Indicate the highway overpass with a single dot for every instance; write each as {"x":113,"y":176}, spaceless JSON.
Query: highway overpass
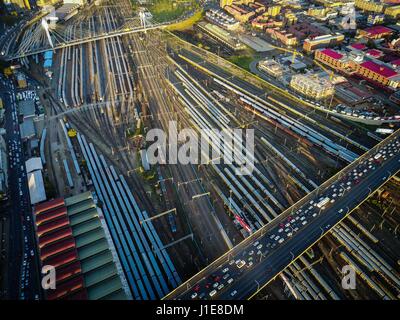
{"x":261,"y":257}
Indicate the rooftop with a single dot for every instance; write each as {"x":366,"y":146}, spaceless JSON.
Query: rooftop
{"x":379,"y":69}
{"x":332,"y":53}
{"x":70,"y":235}
{"x":376,"y":30}
{"x":36,"y":187}
{"x":359,"y":46}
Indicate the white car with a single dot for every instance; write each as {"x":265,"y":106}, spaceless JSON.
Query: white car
{"x":212,"y":293}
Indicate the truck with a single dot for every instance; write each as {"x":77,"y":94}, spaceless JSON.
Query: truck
{"x":323,"y":202}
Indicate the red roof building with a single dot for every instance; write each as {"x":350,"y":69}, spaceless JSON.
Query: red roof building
{"x":395,"y":63}
{"x":51,"y":215}
{"x":358,"y":46}
{"x":54,"y":236}
{"x":58,"y":261}
{"x":376,"y":32}
{"x":52,"y":204}
{"x":57,"y":248}
{"x":68,"y":271}
{"x":332,"y":58}
{"x":66,"y":288}
{"x":375,"y":53}
{"x":380,"y":70}
{"x":379,"y":74}
{"x":52,"y":226}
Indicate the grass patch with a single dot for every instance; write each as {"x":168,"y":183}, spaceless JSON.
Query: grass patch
{"x":242,"y":61}
{"x":168,"y":10}
{"x":188,"y":23}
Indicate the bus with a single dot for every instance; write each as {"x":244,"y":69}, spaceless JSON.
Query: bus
{"x":323,"y":202}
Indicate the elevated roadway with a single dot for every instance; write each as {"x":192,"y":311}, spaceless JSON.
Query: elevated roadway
{"x":257,"y":260}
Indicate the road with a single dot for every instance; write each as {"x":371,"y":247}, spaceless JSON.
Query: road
{"x":23,"y":270}
{"x":306,"y":222}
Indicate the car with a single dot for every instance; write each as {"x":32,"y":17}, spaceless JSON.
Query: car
{"x":340,"y":211}
{"x":251,"y":252}
{"x":226,"y":276}
{"x":212,"y":293}
{"x":304,"y":222}
{"x":281,"y":240}
{"x":240,"y":264}
{"x":231,"y":262}
{"x":194,"y":295}
{"x":221,"y":286}
{"x":259,"y":247}
{"x":250,"y":264}
{"x":233,"y":293}
{"x":215,"y":285}
{"x":255,"y":244}
{"x":229,"y":281}
{"x":225,"y":270}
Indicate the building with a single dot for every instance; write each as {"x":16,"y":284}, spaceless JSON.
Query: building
{"x":79,"y":2}
{"x":37,"y":191}
{"x":336,"y":60}
{"x":44,"y":3}
{"x":375,"y":32}
{"x":27,"y":129}
{"x":21,"y":80}
{"x":36,"y":187}
{"x":378,"y":73}
{"x":240,"y":13}
{"x":33,"y":164}
{"x":72,"y":237}
{"x":18,"y":4}
{"x":3,"y":169}
{"x":221,"y":35}
{"x":222,"y":19}
{"x":393,"y":11}
{"x":370,"y":5}
{"x":271,"y":67}
{"x":256,"y":43}
{"x":325,"y":41}
{"x":27,"y":109}
{"x":273,"y":11}
{"x":283,"y":36}
{"x":312,"y":86}
{"x":395,"y":97}
{"x":67,"y":11}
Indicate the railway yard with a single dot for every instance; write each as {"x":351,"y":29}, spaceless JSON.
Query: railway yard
{"x":172,"y":220}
